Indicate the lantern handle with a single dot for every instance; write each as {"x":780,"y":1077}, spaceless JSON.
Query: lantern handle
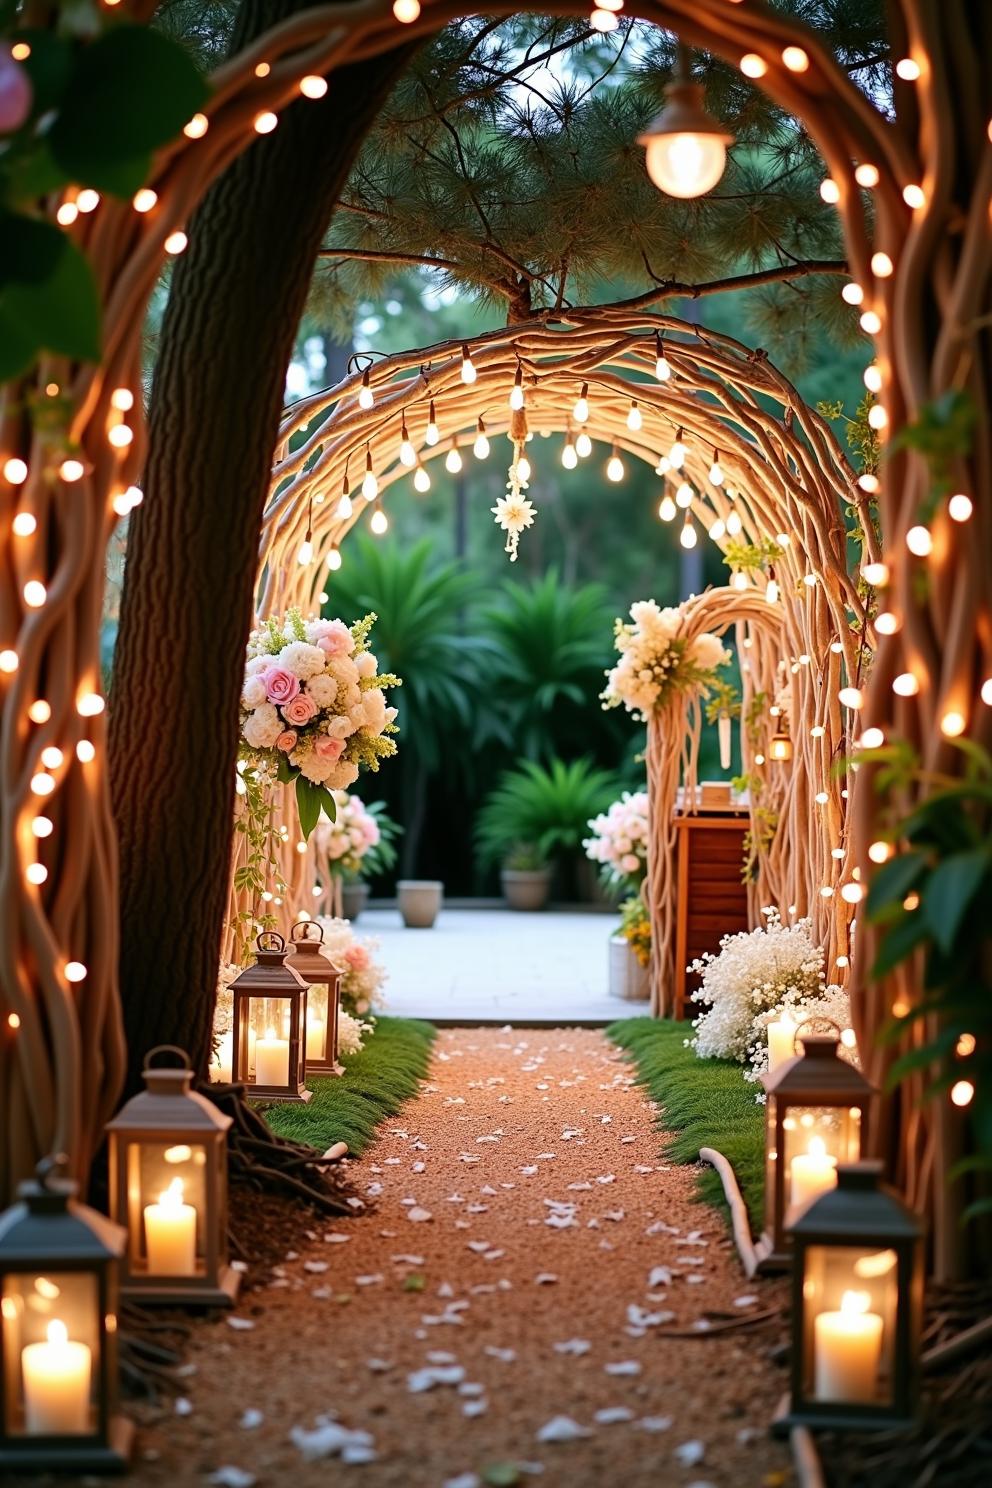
{"x":52,"y":1166}
{"x":167,"y":1049}
{"x":265,"y":941}
{"x":810,"y":1025}
{"x":305,"y":926}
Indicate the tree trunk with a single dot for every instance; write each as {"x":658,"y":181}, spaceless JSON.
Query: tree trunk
{"x":237,"y":295}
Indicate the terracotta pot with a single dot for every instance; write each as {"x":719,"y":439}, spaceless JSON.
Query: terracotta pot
{"x":354,"y":898}
{"x":628,"y":978}
{"x":526,"y":888}
{"x":419,"y":901}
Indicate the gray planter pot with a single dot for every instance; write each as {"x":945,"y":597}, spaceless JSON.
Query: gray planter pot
{"x":419,"y":901}
{"x":526,"y":888}
{"x":354,"y":898}
{"x":628,"y":978}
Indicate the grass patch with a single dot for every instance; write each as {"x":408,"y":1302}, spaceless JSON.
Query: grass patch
{"x":376,"y":1083}
{"x":706,"y":1102}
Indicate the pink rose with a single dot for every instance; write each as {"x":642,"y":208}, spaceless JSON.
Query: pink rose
{"x":280,"y":686}
{"x":357,"y":957}
{"x":329,"y":749}
{"x":287,"y":741}
{"x":336,"y":639}
{"x":299,"y":710}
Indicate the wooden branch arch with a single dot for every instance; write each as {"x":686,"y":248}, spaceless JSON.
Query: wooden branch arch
{"x":923,"y":265}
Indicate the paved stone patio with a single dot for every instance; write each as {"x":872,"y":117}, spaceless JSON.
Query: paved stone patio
{"x":498,"y":966}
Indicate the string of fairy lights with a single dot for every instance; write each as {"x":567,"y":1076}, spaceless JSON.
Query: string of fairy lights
{"x":685,"y":160}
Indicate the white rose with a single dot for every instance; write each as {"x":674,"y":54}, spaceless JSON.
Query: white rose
{"x":343,"y":774}
{"x":375,"y":709}
{"x":315,"y":769}
{"x":253,"y":695}
{"x":257,"y":664}
{"x":301,"y":659}
{"x":323,"y":689}
{"x":263,"y":727}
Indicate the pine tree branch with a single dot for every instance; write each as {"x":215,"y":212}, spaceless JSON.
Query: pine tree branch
{"x":668,"y":289}
{"x":423,"y":260}
{"x":473,"y":95}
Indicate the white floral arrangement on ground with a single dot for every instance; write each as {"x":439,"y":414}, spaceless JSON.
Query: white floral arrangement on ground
{"x":363,"y":977}
{"x":657,"y":660}
{"x":313,"y":709}
{"x":811,"y":1013}
{"x":754,"y":973}
{"x":224,"y":1005}
{"x":620,"y":839}
{"x":349,"y":837}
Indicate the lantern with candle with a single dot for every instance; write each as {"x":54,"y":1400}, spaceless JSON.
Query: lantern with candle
{"x":780,"y":747}
{"x":168,"y":1187}
{"x":857,"y":1306}
{"x":270,"y":1013}
{"x":816,"y":1116}
{"x":58,"y":1325}
{"x":308,"y":957}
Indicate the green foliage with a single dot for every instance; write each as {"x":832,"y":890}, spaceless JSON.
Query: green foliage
{"x":549,"y":807}
{"x":259,"y":856}
{"x":375,"y":1084}
{"x":933,"y":899}
{"x":101,"y":105}
{"x":942,"y":434}
{"x":635,"y":926}
{"x":703,"y":1103}
{"x":724,"y":697}
{"x":752,"y":557}
{"x":525,"y":858}
{"x":550,"y":644}
{"x":311,"y":800}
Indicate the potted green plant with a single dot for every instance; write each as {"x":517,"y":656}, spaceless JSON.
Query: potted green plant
{"x":525,"y":878}
{"x":545,"y":809}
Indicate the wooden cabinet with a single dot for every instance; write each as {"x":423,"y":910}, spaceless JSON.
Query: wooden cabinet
{"x":711,"y":897}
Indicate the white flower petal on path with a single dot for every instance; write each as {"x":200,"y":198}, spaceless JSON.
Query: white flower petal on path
{"x":232,"y":1477}
{"x":422,"y":1380}
{"x":655,"y":1423}
{"x":622,"y":1367}
{"x":611,"y":1415}
{"x":575,"y":1346}
{"x":690,"y":1452}
{"x":562,"y":1429}
{"x":417,"y":1215}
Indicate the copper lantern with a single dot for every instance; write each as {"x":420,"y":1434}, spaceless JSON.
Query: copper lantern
{"x":168,"y":1187}
{"x":857,"y":1307}
{"x":58,"y":1327}
{"x":816,"y":1116}
{"x":780,"y":747}
{"x":308,"y":957}
{"x":270,"y":1013}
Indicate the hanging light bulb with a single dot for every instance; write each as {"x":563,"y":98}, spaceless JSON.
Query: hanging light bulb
{"x":734,"y":524}
{"x":334,"y":558}
{"x":718,"y":529}
{"x":432,"y":434}
{"x":345,"y":507}
{"x":523,"y":467}
{"x":614,"y":466}
{"x":635,"y":419}
{"x":677,"y":452}
{"x":583,"y":445}
{"x":686,"y":149}
{"x":687,"y":537}
{"x":684,"y":495}
{"x":366,"y":397}
{"x":739,"y":580}
{"x":517,"y":390}
{"x":716,"y":470}
{"x":580,"y":412}
{"x":662,"y":368}
{"x":569,"y":458}
{"x":408,"y":455}
{"x":421,"y":480}
{"x":370,"y":486}
{"x":771,"y":588}
{"x":663,"y":466}
{"x":378,"y":521}
{"x":453,"y":459}
{"x":469,"y":373}
{"x":304,"y":554}
{"x":667,"y":508}
{"x":480,"y":448}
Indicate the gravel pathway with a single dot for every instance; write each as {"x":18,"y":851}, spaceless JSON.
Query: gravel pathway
{"x":505,"y":1303}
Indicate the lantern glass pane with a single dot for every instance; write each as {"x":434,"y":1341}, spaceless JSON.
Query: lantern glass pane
{"x":850,"y":1297}
{"x":51,"y":1352}
{"x":167,"y":1207}
{"x":265,"y":1040}
{"x":317,"y":1021}
{"x":815,"y":1139}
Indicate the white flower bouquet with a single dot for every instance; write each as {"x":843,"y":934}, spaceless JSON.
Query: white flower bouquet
{"x":657,"y":660}
{"x":620,"y":839}
{"x":313,"y":710}
{"x":362,"y":975}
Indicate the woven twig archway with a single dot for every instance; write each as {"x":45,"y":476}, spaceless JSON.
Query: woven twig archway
{"x":925,"y":291}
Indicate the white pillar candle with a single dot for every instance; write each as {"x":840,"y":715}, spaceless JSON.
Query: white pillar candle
{"x":220,"y":1068}
{"x":781,"y":1042}
{"x":315,"y":1037}
{"x":723,"y":731}
{"x":847,"y":1347}
{"x":56,"y":1384}
{"x":170,"y":1234}
{"x":272,"y":1060}
{"x":812,"y":1173}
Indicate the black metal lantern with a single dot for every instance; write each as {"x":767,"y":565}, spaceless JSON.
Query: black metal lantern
{"x":270,"y":1013}
{"x":857,"y":1306}
{"x":816,"y":1117}
{"x":323,"y":979}
{"x":168,"y":1187}
{"x":58,"y":1326}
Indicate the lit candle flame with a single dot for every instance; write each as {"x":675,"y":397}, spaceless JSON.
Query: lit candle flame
{"x":855,"y":1302}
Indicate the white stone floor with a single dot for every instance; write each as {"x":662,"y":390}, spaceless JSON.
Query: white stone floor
{"x":499,"y":966}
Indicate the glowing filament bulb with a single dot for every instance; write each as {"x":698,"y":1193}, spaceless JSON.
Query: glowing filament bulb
{"x":35,"y":594}
{"x":421,"y":480}
{"x":906,"y":684}
{"x":569,"y":458}
{"x":265,"y":122}
{"x":866,"y":175}
{"x":197,"y":127}
{"x":677,"y":452}
{"x":952,"y":725}
{"x":583,"y":445}
{"x":36,"y":873}
{"x":876,"y":574}
{"x":614,"y":467}
{"x":829,"y":191}
{"x":480,"y":448}
{"x":334,"y":559}
{"x":370,"y":484}
{"x":408,"y":455}
{"x":15,"y":471}
{"x":469,"y":373}
{"x":378,"y":521}
{"x":914,"y":196}
{"x":517,"y":390}
{"x":313,"y":86}
{"x":345,"y":505}
{"x":667,"y":509}
{"x":850,"y":697}
{"x":960,"y":507}
{"x":718,"y":529}
{"x":635,"y":419}
{"x":887,"y":623}
{"x":771,"y":591}
{"x":432,"y":434}
{"x":144,"y":200}
{"x":453,"y":460}
{"x":716,"y":470}
{"x":852,"y":294}
{"x":603,"y":21}
{"x":908,"y":69}
{"x":406,"y":11}
{"x":734,"y":524}
{"x":72,"y":470}
{"x":739,"y":580}
{"x":687,"y":537}
{"x":752,"y":65}
{"x":662,"y":367}
{"x":580,"y":412}
{"x":23,"y":524}
{"x":881,"y":265}
{"x":304,"y":553}
{"x":795,"y":59}
{"x":683,"y":495}
{"x":919,"y":542}
{"x":871,"y":323}
{"x":366,"y":397}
